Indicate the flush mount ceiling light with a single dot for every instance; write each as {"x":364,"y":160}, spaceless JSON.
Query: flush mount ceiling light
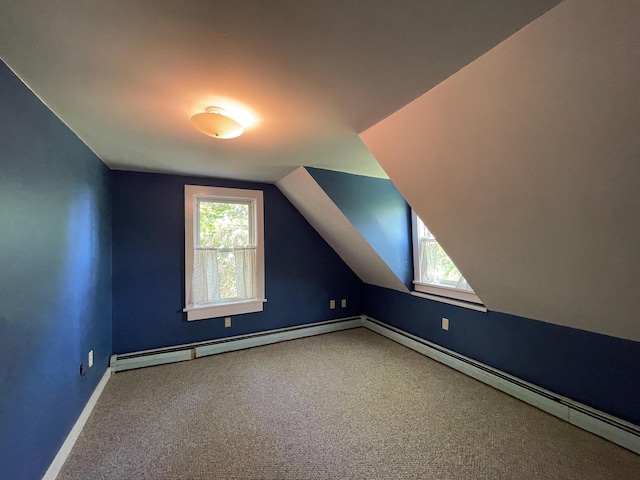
{"x":215,"y":123}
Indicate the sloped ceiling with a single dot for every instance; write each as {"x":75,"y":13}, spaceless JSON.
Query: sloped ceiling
{"x":526,"y":166}
{"x":126,"y":75}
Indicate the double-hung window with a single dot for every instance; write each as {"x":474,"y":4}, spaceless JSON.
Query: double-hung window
{"x":435,"y":274}
{"x":224,"y":252}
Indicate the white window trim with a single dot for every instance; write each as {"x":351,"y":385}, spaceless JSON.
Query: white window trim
{"x":223,"y":309}
{"x":451,"y":296}
{"x":463,"y":295}
{"x":450,"y":301}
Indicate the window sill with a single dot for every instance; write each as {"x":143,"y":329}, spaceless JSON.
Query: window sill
{"x":449,"y":292}
{"x":449,"y":296}
{"x":223,"y":310}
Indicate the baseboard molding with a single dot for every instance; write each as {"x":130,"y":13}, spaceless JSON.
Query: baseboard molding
{"x":191,"y":351}
{"x":275,"y":337}
{"x":65,"y":449}
{"x":615,"y":430}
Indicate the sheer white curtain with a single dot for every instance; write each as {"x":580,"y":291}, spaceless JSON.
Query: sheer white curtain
{"x":208,"y":284}
{"x":427,"y":260}
{"x":205,"y":284}
{"x":436,"y":266}
{"x":245,"y":272}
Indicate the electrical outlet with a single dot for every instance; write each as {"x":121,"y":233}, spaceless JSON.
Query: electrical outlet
{"x":332,"y":304}
{"x":227,"y":322}
{"x":445,"y":323}
{"x":343,"y":303}
{"x":90,"y":359}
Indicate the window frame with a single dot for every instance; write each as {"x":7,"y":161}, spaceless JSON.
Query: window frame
{"x":222,"y":194}
{"x":441,"y":293}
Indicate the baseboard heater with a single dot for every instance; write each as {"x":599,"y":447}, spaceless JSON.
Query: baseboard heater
{"x":179,"y":353}
{"x":599,"y":423}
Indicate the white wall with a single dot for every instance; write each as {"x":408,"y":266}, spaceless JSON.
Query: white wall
{"x":526,"y":166}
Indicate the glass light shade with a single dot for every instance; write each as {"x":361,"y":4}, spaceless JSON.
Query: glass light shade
{"x":216,"y":124}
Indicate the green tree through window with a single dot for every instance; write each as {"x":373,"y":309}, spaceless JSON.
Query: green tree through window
{"x":224,"y":225}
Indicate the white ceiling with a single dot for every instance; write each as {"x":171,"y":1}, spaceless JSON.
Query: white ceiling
{"x":127,"y":75}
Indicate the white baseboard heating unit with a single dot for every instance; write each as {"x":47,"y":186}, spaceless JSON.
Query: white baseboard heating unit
{"x":190,"y":351}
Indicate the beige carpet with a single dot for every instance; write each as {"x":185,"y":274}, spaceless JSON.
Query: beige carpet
{"x":351,"y":404}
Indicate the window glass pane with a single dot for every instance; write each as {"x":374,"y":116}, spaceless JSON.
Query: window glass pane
{"x":223,"y":224}
{"x":435,"y":267}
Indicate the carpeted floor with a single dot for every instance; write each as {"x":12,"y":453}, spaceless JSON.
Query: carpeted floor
{"x":350,"y":405}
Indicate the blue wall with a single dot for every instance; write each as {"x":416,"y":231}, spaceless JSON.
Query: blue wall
{"x":302,"y":273}
{"x":597,"y":370}
{"x":55,"y":279}
{"x":375,"y":207}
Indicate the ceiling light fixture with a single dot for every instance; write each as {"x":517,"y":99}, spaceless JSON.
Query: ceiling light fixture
{"x":215,"y":123}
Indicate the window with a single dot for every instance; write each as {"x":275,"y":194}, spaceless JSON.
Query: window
{"x":435,"y":274}
{"x":224,"y":251}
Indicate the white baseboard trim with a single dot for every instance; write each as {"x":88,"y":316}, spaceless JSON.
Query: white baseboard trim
{"x":191,"y":351}
{"x":615,"y":430}
{"x":57,"y":463}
